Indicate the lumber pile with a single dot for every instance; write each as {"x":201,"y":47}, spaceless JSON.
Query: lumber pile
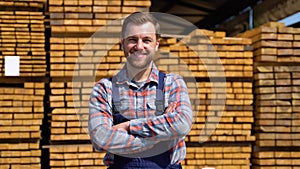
{"x":211,"y":55}
{"x":273,"y":42}
{"x":30,"y":5}
{"x":22,"y":111}
{"x":75,"y":56}
{"x":207,"y":54}
{"x":75,"y":156}
{"x":234,"y":124}
{"x":21,"y":115}
{"x":276,"y":159}
{"x":20,"y":155}
{"x":277,"y":74}
{"x":69,"y":116}
{"x":219,"y":74}
{"x":219,"y":157}
{"x":22,"y":34}
{"x":78,"y":16}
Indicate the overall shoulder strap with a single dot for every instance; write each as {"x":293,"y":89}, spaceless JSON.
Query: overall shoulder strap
{"x":115,"y":95}
{"x":160,"y":101}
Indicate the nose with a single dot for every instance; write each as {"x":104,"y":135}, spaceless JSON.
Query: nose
{"x":139,"y":45}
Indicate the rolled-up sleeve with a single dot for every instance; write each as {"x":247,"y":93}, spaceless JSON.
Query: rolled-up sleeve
{"x":103,"y":135}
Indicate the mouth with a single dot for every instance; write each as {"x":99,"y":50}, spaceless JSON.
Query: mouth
{"x":138,"y":54}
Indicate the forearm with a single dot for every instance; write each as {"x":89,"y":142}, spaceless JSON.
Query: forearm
{"x":170,"y":125}
{"x":118,"y":141}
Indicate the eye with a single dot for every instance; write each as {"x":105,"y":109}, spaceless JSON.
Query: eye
{"x":131,"y":40}
{"x":148,"y":40}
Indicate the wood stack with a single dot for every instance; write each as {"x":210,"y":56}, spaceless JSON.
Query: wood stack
{"x":76,"y":156}
{"x":22,"y":34}
{"x":234,"y":124}
{"x":219,"y":72}
{"x":273,"y":42}
{"x":276,"y":94}
{"x":208,"y":54}
{"x":78,"y":16}
{"x":276,"y":159}
{"x":20,"y":107}
{"x":29,"y":5}
{"x":22,"y":112}
{"x":219,"y":157}
{"x":20,"y":155}
{"x":69,"y":116}
{"x":75,"y":56}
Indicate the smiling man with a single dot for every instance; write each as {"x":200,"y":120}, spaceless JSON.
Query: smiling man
{"x":140,"y":116}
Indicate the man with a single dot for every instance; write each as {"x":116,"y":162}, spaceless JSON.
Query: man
{"x":131,"y":127}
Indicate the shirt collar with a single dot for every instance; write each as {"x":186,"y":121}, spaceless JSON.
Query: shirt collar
{"x":122,"y":76}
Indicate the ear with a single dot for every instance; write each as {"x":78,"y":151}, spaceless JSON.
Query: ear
{"x":157,"y":45}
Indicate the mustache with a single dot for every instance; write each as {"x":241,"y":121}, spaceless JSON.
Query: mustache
{"x":139,"y":53}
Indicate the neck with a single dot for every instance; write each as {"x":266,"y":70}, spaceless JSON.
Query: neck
{"x":138,"y":75}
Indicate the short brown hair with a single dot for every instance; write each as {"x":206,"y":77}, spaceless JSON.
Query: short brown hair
{"x":139,"y":18}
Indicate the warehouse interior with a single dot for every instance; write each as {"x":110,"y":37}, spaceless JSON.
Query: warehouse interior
{"x":232,"y":16}
{"x":242,"y":69}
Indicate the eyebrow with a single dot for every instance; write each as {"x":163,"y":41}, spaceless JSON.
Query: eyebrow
{"x":134,"y":36}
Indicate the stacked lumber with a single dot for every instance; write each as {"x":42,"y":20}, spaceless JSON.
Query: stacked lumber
{"x":219,"y":74}
{"x":21,"y":115}
{"x":69,"y":116}
{"x":75,"y":56}
{"x":277,"y":106}
{"x":276,"y":74}
{"x":20,"y":155}
{"x":78,"y":16}
{"x":273,"y":42}
{"x":276,"y":159}
{"x":22,"y":34}
{"x":203,"y":54}
{"x":207,"y":54}
{"x":22,"y":111}
{"x":233,"y":124}
{"x":30,"y":5}
{"x":219,"y":157}
{"x":75,"y":156}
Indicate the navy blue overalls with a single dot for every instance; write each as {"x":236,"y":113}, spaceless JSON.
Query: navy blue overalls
{"x":147,"y":161}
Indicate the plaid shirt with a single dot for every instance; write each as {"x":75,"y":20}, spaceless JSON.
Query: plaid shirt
{"x":138,"y":105}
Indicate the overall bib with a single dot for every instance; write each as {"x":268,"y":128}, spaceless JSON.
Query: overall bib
{"x":147,"y":161}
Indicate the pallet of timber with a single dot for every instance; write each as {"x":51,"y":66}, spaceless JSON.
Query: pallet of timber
{"x":208,"y":55}
{"x":274,"y":42}
{"x":276,"y":159}
{"x":78,"y":16}
{"x":277,"y":105}
{"x":218,"y":157}
{"x":84,"y":57}
{"x":24,"y":4}
{"x":22,"y":34}
{"x":20,"y":155}
{"x":75,"y":156}
{"x":69,"y":113}
{"x":233,"y":124}
{"x":22,"y":111}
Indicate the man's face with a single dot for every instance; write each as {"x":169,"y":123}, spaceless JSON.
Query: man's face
{"x":140,"y":45}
